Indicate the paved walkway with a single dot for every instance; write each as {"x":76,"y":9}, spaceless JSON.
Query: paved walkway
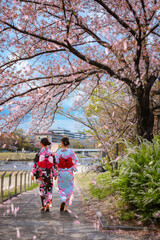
{"x":22,"y":219}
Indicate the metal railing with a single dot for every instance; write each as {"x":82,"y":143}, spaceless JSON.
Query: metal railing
{"x":13,"y":183}
{"x":86,"y":160}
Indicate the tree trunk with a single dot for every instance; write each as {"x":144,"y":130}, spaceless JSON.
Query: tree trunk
{"x":145,"y":117}
{"x":158,"y":118}
{"x":158,"y":123}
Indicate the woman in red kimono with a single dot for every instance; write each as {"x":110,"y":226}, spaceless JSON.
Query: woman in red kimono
{"x":44,"y":169}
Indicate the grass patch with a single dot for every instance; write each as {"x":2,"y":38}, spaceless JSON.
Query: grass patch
{"x":79,"y":155}
{"x":95,"y":186}
{"x":101,"y":185}
{"x":5,"y":193}
{"x":6,"y":175}
{"x":16,"y":156}
{"x":84,"y":181}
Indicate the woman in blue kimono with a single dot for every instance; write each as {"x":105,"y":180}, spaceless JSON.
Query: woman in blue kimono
{"x":67,"y":165}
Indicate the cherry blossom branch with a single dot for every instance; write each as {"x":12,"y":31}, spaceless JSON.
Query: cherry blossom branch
{"x":33,"y":34}
{"x":75,"y":52}
{"x":156,"y":92}
{"x":155,"y":108}
{"x":157,"y":34}
{"x":150,"y":31}
{"x":98,"y":64}
{"x":33,"y":56}
{"x":134,"y":13}
{"x":144,"y":10}
{"x":120,"y":20}
{"x":87,"y":71}
{"x":79,"y":79}
{"x":40,"y":3}
{"x":153,"y":12}
{"x":4,"y":29}
{"x":99,"y":40}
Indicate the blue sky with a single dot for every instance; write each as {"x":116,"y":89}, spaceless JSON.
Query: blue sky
{"x":60,"y":122}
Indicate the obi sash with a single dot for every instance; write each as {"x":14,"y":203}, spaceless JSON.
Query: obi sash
{"x":65,"y":163}
{"x":45,"y":161}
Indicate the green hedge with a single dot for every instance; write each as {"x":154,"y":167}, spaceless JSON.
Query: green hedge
{"x":139,"y":178}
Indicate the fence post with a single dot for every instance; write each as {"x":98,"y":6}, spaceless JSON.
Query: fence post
{"x":25,"y":181}
{"x":28,"y":177}
{"x":2,"y":181}
{"x":15,"y":192}
{"x":9,"y":185}
{"x":31,"y":181}
{"x":21,"y":182}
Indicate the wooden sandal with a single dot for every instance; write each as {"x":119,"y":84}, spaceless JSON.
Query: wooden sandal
{"x":62,"y":206}
{"x":47,"y":208}
{"x":42,"y":209}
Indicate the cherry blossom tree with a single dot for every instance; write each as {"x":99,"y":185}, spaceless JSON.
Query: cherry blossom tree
{"x":50,"y":48}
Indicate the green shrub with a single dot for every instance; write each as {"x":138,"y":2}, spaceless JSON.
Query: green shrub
{"x":139,"y":178}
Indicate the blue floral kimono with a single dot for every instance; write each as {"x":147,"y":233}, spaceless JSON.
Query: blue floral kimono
{"x":67,"y":164}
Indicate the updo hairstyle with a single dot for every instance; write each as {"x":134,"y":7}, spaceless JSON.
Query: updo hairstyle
{"x":45,"y":142}
{"x":65,"y":141}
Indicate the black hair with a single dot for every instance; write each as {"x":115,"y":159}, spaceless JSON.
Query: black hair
{"x":65,"y":141}
{"x":45,"y":142}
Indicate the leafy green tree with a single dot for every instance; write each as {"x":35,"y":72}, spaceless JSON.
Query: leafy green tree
{"x":109,"y":115}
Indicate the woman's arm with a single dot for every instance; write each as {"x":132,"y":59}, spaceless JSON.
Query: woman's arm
{"x":55,"y":167}
{"x":74,"y":160}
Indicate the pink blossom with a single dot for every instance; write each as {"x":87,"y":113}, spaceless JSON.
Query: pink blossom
{"x":106,"y":51}
{"x":76,"y":222}
{"x":151,"y":163}
{"x":18,"y":233}
{"x":16,"y":210}
{"x":93,"y":182}
{"x":8,"y":211}
{"x":125,"y":45}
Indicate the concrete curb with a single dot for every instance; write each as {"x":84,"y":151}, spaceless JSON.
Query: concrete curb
{"x":104,"y":225}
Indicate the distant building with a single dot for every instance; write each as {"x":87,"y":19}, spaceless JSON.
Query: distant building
{"x":40,"y":135}
{"x":55,"y":135}
{"x":80,"y":136}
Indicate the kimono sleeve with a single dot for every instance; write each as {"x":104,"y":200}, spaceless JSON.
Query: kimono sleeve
{"x":57,"y":156}
{"x":55,"y":171}
{"x":74,"y":160}
{"x":34,"y":169}
{"x":55,"y":167}
{"x":35,"y":160}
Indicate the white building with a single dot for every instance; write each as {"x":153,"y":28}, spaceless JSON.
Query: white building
{"x":55,"y":135}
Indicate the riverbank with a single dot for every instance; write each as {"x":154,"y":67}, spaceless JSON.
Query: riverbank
{"x":16,"y":156}
{"x":20,"y":156}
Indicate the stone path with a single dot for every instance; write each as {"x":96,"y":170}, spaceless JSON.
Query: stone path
{"x":30,"y":223}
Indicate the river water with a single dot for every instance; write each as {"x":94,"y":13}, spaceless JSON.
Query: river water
{"x":15,"y":165}
{"x":25,"y":165}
